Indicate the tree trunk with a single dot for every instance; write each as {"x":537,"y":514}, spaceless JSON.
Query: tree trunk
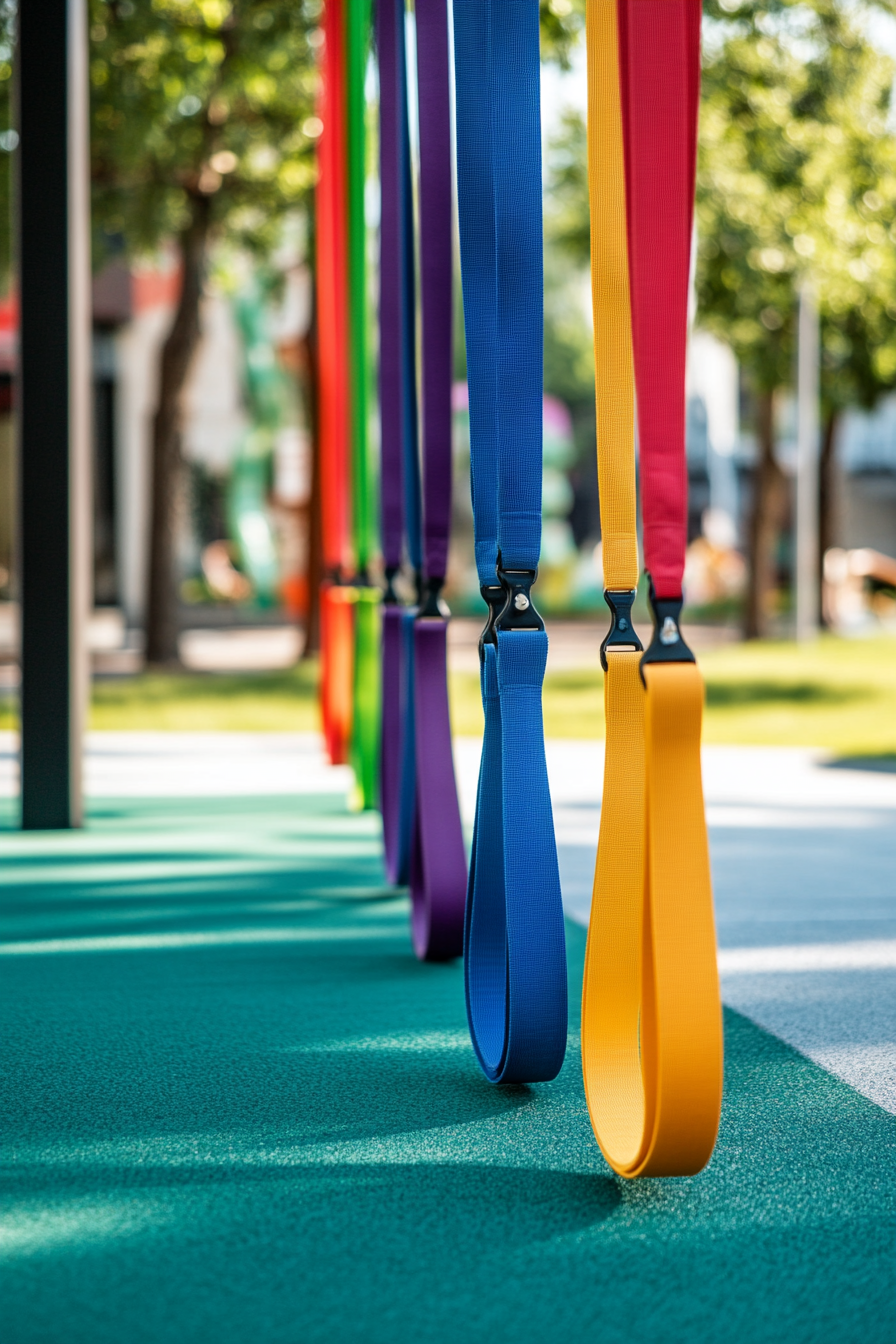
{"x":769,"y":492}
{"x":827,"y":486}
{"x":177,"y":355}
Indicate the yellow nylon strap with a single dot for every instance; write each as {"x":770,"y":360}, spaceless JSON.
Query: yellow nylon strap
{"x":651,"y":1016}
{"x":613,"y":363}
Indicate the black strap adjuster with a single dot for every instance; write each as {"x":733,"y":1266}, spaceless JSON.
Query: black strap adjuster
{"x":621,"y":634}
{"x":390,"y":597}
{"x":668,"y":644}
{"x":493,"y":594}
{"x":431,"y":605}
{"x":518,"y":611}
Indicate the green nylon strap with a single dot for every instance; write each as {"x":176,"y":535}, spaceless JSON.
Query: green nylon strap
{"x":357,"y":46}
{"x":365,"y":746}
{"x":364,"y":749}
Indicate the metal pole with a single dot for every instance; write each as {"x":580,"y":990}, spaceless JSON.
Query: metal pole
{"x":53,"y":405}
{"x":808,"y":354}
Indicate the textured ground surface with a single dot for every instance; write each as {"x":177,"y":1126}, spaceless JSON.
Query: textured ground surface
{"x":236,"y":1109}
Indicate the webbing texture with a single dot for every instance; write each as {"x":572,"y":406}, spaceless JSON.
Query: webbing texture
{"x":399,"y":473}
{"x":614,"y":372}
{"x":364,"y":753}
{"x":438,"y":860}
{"x":332,"y":297}
{"x":651,"y":1018}
{"x":421,"y":816}
{"x":659,"y":62}
{"x":434,"y":112}
{"x":337,"y":668}
{"x":514,"y":957}
{"x":473,"y":118}
{"x":392,"y":346}
{"x":356,"y":48}
{"x":337,"y":655}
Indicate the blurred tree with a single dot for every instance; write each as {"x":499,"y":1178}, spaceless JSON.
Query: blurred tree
{"x":203,"y":127}
{"x":796,"y":177}
{"x":568,"y":348}
{"x":561,"y":22}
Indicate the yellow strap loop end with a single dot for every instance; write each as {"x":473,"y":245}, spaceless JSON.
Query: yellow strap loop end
{"x":651,"y":1014}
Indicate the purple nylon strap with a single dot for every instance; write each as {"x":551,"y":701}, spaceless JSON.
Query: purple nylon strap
{"x":438,"y":861}
{"x":421,"y":817}
{"x":394,"y":713}
{"x":388,"y":15}
{"x":435,"y":277}
{"x":391,"y":725}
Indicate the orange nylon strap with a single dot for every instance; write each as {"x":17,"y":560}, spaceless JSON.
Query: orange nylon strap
{"x":651,"y":1018}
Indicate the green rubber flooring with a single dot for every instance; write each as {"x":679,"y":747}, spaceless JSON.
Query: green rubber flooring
{"x":237,"y":1111}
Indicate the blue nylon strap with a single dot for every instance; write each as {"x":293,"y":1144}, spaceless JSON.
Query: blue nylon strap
{"x":515,"y":954}
{"x":516,"y":156}
{"x":476,"y":218}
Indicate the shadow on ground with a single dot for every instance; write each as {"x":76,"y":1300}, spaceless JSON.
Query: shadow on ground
{"x":884,"y":764}
{"x":285,"y":1140}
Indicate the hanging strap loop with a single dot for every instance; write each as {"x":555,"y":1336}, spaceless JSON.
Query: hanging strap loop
{"x":515,"y":955}
{"x":423,"y":839}
{"x":399,"y":468}
{"x":438,"y":861}
{"x":651,"y":1019}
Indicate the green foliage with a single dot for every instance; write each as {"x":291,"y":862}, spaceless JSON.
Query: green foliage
{"x":567,"y":219}
{"x":568,"y":347}
{"x":177,"y":84}
{"x":797,"y":179}
{"x":561,"y":23}
{"x":201,"y":97}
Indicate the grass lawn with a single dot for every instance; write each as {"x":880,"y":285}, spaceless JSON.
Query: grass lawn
{"x":839,"y":694}
{"x":836,"y":693}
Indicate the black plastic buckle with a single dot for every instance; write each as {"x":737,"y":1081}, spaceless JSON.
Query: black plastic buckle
{"x":518,"y":611}
{"x":493,"y":594}
{"x":667,"y":644}
{"x":390,"y":597}
{"x":621,"y":634}
{"x":431,"y":606}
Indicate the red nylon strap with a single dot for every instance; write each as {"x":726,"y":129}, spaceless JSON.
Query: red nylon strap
{"x":332,"y":299}
{"x":659,"y":60}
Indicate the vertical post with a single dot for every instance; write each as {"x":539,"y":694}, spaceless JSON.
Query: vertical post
{"x":808,"y":353}
{"x":54,"y":405}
